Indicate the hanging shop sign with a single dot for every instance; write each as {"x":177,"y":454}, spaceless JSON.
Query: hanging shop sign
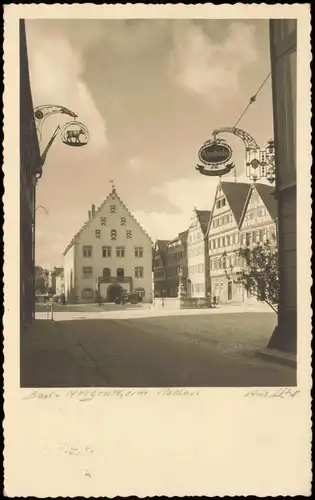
{"x":75,"y":134}
{"x":214,"y":156}
{"x":215,"y":152}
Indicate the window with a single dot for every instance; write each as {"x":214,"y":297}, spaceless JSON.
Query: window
{"x":97,"y":233}
{"x":120,"y":252}
{"x":103,"y":221}
{"x":120,"y":272}
{"x":248,"y":238}
{"x":113,"y":209}
{"x":122,"y":221}
{"x":139,"y":272}
{"x":106,"y":272}
{"x":87,"y":251}
{"x":139,"y":252}
{"x":107,"y":251}
{"x":129,"y":234}
{"x":87,"y":272}
{"x":228,"y":240}
{"x":223,"y":202}
{"x":87,"y":293}
{"x":261,"y":235}
{"x":140,"y":292}
{"x":113,"y":234}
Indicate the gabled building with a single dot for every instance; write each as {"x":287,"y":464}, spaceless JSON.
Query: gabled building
{"x":197,"y":254}
{"x":110,"y":254}
{"x":259,"y":219}
{"x":176,"y":262}
{"x":159,"y":268}
{"x":223,"y":238}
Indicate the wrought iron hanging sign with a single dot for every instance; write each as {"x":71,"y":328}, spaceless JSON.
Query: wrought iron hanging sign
{"x":259,"y":163}
{"x":74,"y":134}
{"x":214,"y":156}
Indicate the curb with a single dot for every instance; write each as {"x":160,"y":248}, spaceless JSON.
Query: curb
{"x":278,"y":357}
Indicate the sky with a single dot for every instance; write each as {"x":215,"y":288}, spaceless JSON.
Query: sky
{"x":150,"y":93}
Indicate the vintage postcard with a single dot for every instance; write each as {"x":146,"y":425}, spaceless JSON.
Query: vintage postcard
{"x":157,"y":326}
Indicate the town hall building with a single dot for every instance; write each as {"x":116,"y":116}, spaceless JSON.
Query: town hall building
{"x":110,"y":255}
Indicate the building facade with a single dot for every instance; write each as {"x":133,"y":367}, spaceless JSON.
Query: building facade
{"x":197,"y":255}
{"x":243,"y":215}
{"x":30,"y":166}
{"x":110,"y":255}
{"x":160,"y":268}
{"x":283,"y":47}
{"x":176,"y":263}
{"x":224,"y":240}
{"x":258,"y":222}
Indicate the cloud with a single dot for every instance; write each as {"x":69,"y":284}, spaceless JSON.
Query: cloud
{"x":56,"y":74}
{"x":211,"y":68}
{"x":135,"y":164}
{"x":184,"y":194}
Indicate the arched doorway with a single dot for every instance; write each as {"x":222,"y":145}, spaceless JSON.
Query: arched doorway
{"x":114,"y":292}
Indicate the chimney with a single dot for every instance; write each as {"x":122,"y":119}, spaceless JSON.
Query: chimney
{"x":89,"y":214}
{"x":93,"y":210}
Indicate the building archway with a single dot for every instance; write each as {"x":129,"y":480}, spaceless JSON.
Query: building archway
{"x":114,"y":292}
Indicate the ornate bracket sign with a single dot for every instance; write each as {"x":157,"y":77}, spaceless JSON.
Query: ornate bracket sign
{"x":214,"y":156}
{"x":74,"y":134}
{"x":259,"y":163}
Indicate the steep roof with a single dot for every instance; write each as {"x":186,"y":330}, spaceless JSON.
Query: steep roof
{"x":236,"y":194}
{"x":266,"y":193}
{"x":113,"y":192}
{"x":203,"y":217}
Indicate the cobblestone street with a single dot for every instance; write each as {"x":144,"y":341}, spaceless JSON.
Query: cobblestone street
{"x":191,"y":350}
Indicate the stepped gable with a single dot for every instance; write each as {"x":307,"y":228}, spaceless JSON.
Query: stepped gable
{"x":113,"y":194}
{"x":267,"y":194}
{"x":203,"y":217}
{"x":236,"y":194}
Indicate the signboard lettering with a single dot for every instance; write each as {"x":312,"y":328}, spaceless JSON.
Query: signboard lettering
{"x":214,"y":156}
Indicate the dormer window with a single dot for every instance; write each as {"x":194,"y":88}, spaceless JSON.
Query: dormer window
{"x":103,"y":221}
{"x":113,"y":234}
{"x":113,"y":209}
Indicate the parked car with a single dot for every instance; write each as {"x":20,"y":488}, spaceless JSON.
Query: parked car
{"x":132,"y":298}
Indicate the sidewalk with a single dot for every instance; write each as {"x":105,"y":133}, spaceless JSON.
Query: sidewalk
{"x":151,"y":312}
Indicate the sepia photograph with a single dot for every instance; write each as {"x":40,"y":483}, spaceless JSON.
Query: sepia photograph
{"x":157,"y":230}
{"x":158,"y":202}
